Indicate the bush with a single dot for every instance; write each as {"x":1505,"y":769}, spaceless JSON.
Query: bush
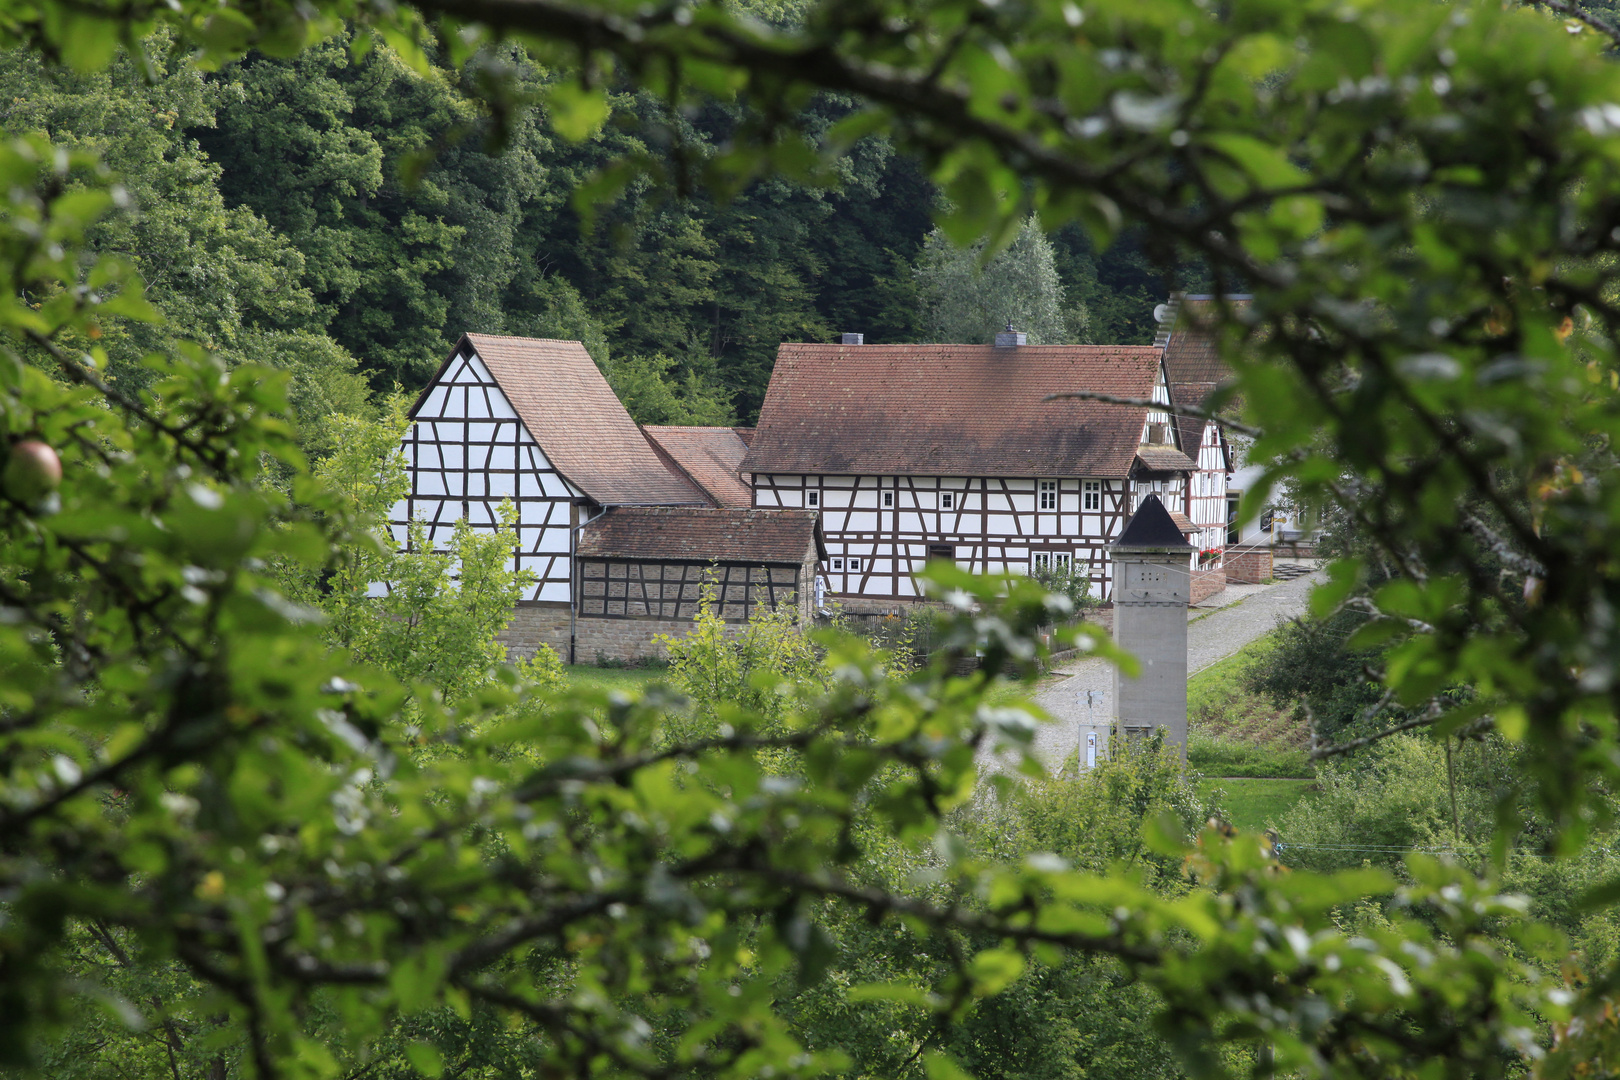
{"x":1070,"y":580}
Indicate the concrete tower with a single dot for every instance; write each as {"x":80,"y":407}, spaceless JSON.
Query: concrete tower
{"x":1152,"y":586}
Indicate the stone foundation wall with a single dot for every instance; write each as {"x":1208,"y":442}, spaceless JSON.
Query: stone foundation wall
{"x":1205,"y":584}
{"x":629,"y":640}
{"x":535,"y":623}
{"x":1248,"y":566}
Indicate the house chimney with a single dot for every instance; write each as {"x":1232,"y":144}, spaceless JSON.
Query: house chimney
{"x":1011,"y":339}
{"x":853,"y":339}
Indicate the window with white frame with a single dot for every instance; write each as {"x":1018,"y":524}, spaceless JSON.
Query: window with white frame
{"x":838,"y":564}
{"x":854,"y":565}
{"x":947,"y":500}
{"x":1052,"y":560}
{"x":1091,"y":495}
{"x":1048,"y":492}
{"x":812,"y":498}
{"x":888,"y":500}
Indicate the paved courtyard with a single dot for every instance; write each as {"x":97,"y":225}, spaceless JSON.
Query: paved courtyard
{"x":1080,"y":698}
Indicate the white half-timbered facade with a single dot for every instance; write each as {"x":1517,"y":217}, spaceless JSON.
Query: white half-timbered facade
{"x":534,"y":422}
{"x":1195,"y":371}
{"x":919,"y":452}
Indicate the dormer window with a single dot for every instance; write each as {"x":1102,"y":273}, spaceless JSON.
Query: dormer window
{"x":1048,"y":493}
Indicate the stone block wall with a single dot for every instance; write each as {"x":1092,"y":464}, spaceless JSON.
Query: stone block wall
{"x":1206,"y":583}
{"x":1248,"y":566}
{"x":535,"y":623}
{"x":629,"y":640}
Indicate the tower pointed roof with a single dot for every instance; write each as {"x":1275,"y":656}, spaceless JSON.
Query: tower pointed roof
{"x":1151,"y":527}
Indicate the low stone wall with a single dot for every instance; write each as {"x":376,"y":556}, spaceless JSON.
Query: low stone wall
{"x":1248,"y":566}
{"x":1205,"y":584}
{"x":629,"y":640}
{"x":535,"y":623}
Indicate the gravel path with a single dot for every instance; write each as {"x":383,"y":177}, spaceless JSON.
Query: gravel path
{"x":1223,"y":625}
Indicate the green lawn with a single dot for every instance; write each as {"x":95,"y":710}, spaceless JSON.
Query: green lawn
{"x":1253,"y":803}
{"x":590,"y":677}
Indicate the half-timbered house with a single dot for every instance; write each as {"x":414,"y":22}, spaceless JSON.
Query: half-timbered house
{"x":1194,"y":370}
{"x":918,"y":452}
{"x":534,"y":422}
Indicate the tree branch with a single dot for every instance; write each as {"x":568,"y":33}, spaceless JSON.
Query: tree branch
{"x":1149,"y":403}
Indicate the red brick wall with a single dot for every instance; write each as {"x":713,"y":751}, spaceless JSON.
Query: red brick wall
{"x":1248,"y":566}
{"x":1205,"y":584}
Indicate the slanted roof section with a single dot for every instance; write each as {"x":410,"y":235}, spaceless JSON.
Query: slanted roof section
{"x":703,"y":534}
{"x":951,"y":410}
{"x":579,"y":422}
{"x":1192,"y":365}
{"x":1151,"y":527}
{"x":710,"y":457}
{"x":1163,"y":459}
{"x":1183,"y":522}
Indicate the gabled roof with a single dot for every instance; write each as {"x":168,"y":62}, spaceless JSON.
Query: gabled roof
{"x":573,"y":414}
{"x":951,"y":410}
{"x":1192,"y":364}
{"x":709,"y":456}
{"x":1164,"y":459}
{"x":1151,"y":527}
{"x":718,"y":534}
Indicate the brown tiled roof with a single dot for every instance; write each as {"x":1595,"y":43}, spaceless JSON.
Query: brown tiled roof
{"x":746,"y":434}
{"x":1183,"y":522}
{"x":1164,"y":459}
{"x":578,"y":421}
{"x":719,"y":534}
{"x":1192,"y":365}
{"x":951,"y":410}
{"x":709,"y":456}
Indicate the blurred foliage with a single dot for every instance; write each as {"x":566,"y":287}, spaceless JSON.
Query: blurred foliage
{"x":348,"y":860}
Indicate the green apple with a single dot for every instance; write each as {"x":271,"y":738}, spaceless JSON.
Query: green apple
{"x":32,"y":472}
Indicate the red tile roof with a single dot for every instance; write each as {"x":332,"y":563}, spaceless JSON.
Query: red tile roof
{"x":1164,"y":459}
{"x":574,"y":415}
{"x":709,"y":456}
{"x":1193,"y":366}
{"x":719,"y":534}
{"x":951,"y":410}
{"x":1183,"y":522}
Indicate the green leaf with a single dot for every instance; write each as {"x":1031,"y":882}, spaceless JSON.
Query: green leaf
{"x":994,"y":970}
{"x":1343,"y":577}
{"x":576,"y":113}
{"x":425,"y":1059}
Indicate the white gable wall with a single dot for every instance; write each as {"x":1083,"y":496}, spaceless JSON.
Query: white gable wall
{"x":466,"y":452}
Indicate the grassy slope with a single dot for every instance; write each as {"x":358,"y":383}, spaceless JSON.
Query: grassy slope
{"x":1244,"y":745}
{"x":1255,"y":803}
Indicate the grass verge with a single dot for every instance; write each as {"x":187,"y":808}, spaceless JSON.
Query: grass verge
{"x":1252,"y":803}
{"x":590,"y":677}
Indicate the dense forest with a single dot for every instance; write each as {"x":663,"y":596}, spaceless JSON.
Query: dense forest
{"x":339,"y":215}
